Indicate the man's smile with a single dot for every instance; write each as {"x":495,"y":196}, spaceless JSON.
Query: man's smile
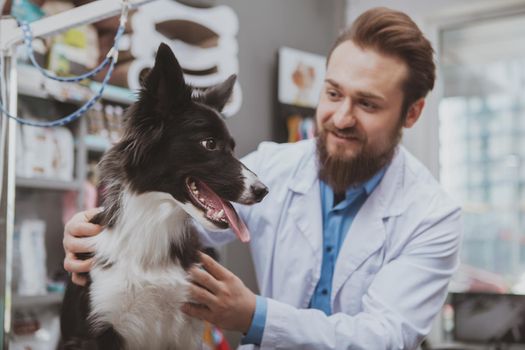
{"x":344,"y":138}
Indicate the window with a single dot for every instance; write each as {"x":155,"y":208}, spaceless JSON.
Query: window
{"x":482,"y":141}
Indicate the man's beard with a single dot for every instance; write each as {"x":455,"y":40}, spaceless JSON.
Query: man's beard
{"x":339,"y":172}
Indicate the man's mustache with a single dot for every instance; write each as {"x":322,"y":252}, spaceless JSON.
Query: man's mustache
{"x":351,"y":133}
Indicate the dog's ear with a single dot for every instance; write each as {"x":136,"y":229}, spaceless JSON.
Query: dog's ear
{"x":163,"y":89}
{"x":165,"y":83}
{"x":217,"y":96}
{"x":143,"y":74}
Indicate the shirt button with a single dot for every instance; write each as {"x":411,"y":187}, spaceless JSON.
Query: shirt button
{"x":324,"y":291}
{"x":328,"y":249}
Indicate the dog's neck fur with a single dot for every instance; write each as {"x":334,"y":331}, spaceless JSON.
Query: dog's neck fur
{"x":113,"y":178}
{"x":148,"y":225}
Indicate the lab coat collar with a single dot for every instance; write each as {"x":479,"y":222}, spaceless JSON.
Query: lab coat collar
{"x":306,"y":173}
{"x":307,"y":200}
{"x":387,"y":194}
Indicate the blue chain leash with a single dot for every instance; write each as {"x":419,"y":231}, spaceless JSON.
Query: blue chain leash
{"x":111,"y":59}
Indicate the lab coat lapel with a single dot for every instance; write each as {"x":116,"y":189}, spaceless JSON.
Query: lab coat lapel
{"x":305,"y":205}
{"x":367,"y":233}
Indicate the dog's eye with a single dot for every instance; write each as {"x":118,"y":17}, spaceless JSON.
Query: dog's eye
{"x":209,"y":144}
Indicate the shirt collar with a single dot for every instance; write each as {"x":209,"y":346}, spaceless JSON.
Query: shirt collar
{"x":327,"y":194}
{"x":369,"y":185}
{"x":372,"y":183}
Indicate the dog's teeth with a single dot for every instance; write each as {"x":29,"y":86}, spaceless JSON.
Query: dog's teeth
{"x":220,"y":213}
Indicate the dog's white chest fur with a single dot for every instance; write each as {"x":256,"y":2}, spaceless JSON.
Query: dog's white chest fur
{"x":136,"y":287}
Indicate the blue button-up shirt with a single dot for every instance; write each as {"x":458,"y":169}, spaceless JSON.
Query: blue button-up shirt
{"x":337,"y":220}
{"x":336,"y":224}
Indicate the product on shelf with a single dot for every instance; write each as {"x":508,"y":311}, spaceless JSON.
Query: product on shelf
{"x":31,"y":253}
{"x":45,"y":153}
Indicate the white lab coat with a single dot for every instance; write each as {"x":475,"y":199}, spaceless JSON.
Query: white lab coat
{"x":392,"y":272}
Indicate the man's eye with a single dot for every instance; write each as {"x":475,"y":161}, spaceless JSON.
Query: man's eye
{"x":368,"y":105}
{"x":209,"y":144}
{"x":332,"y":93}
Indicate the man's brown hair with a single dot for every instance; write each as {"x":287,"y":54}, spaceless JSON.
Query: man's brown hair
{"x":394,"y":33}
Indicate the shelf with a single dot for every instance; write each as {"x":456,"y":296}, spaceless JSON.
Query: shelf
{"x":97,"y":143}
{"x":32,"y":83}
{"x":115,"y":93}
{"x":47,"y":184}
{"x":37,"y":300}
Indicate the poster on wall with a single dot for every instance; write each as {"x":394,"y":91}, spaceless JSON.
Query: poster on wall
{"x":301,"y":76}
{"x":300,"y":80}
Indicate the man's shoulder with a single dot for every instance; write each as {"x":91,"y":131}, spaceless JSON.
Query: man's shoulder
{"x":421,"y":185}
{"x":415,"y":169}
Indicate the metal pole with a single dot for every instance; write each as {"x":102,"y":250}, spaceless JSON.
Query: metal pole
{"x":7,"y":194}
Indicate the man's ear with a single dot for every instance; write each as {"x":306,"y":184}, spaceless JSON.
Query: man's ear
{"x":217,"y":96}
{"x":165,"y":81}
{"x":414,"y":112}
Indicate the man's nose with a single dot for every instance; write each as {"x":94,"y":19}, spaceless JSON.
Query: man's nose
{"x":344,"y":115}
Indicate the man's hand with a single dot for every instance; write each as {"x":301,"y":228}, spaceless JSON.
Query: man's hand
{"x":74,"y":231}
{"x":220,"y":297}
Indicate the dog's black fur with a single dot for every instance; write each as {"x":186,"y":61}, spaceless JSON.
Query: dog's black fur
{"x":169,"y":137}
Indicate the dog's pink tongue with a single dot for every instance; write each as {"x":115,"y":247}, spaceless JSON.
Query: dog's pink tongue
{"x":236,"y":224}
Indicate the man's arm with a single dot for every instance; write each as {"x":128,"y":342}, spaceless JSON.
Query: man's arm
{"x":398,"y":307}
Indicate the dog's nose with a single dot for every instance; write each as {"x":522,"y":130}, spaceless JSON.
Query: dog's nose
{"x":259,"y":191}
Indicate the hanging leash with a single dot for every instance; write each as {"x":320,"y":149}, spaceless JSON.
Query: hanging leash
{"x":111,"y":59}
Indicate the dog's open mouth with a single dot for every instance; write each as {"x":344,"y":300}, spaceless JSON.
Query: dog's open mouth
{"x":215,"y":209}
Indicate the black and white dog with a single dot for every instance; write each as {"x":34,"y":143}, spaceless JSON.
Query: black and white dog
{"x":174,"y":162}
